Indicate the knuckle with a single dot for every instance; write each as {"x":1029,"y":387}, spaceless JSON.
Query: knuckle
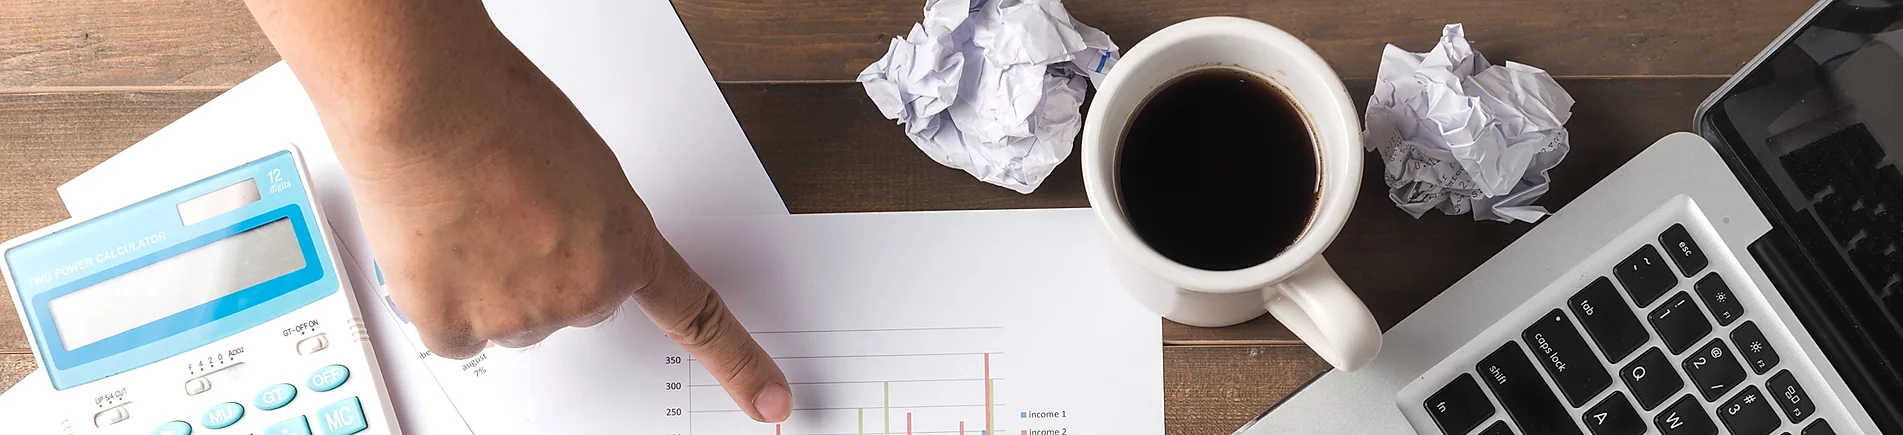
{"x":503,"y":325}
{"x":739,"y":365}
{"x":452,"y":347}
{"x":708,"y":324}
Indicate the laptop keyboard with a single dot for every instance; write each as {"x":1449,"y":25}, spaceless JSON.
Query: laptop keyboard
{"x":1657,"y":342}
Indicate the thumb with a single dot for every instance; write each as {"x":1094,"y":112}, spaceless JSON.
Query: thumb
{"x":692,"y":314}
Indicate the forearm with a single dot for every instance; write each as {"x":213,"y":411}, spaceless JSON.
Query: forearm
{"x":379,"y":71}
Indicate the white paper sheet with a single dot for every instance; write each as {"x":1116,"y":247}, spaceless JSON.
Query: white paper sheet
{"x":992,"y":87}
{"x":1459,"y":135}
{"x":628,"y":66}
{"x":882,"y":322}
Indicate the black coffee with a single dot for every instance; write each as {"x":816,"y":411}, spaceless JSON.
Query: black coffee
{"x":1218,"y":170}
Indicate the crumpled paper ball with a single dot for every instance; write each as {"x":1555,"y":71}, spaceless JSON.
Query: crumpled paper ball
{"x":1459,"y":135}
{"x":993,"y":87}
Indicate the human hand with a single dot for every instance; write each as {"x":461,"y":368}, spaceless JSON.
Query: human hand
{"x":495,"y":210}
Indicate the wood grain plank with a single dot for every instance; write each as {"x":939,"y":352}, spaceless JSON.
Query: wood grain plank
{"x":828,"y":150}
{"x":15,"y":366}
{"x":835,"y":39}
{"x":46,"y":139}
{"x":1215,"y":389}
{"x":216,"y":43}
{"x":129,"y":43}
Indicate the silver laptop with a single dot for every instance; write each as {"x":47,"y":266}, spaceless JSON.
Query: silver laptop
{"x":1743,"y":280}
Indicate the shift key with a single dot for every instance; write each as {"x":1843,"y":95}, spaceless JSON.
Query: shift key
{"x":1558,"y":346}
{"x":1523,"y":393}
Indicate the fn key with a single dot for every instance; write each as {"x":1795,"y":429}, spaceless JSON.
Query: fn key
{"x":1460,"y":406}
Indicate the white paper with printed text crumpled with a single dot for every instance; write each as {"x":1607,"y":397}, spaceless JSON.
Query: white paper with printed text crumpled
{"x":992,"y":87}
{"x":1459,"y":135}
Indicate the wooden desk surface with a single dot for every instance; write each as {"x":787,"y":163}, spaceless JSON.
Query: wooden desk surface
{"x":80,"y":81}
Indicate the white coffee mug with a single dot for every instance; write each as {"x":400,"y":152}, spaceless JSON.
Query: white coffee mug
{"x":1297,"y":286}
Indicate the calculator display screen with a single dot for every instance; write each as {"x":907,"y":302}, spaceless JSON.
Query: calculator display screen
{"x":173,"y":285}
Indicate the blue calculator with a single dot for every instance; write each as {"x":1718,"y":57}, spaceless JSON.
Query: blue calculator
{"x":214,"y":308}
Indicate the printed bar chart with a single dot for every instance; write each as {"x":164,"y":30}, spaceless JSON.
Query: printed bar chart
{"x":912,"y":381}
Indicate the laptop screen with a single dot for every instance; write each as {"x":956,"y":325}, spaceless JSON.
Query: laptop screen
{"x":1816,"y":130}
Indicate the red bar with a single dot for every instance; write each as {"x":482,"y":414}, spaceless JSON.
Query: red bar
{"x":908,"y":423}
{"x":776,"y":429}
{"x":961,"y":428}
{"x":988,"y":421}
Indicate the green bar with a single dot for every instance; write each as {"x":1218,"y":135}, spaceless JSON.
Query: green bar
{"x":888,"y":408}
{"x":990,"y":425}
{"x":862,"y":421}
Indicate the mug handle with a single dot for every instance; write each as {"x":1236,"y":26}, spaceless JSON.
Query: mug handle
{"x":1321,"y":310}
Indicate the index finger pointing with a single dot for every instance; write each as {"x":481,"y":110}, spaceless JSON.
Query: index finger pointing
{"x":692,"y":314}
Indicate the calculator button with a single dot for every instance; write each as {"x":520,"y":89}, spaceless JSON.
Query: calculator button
{"x":1749,"y":413}
{"x":1684,"y":417}
{"x":313,"y":344}
{"x":1498,"y":428}
{"x":1645,"y":276}
{"x":275,"y":396}
{"x":1614,"y":416}
{"x":1652,"y":379}
{"x":1758,"y":353}
{"x":1460,"y":406}
{"x":1678,"y":244}
{"x":1713,"y":369}
{"x":1565,"y":355}
{"x":222,"y":415}
{"x":342,"y":418}
{"x":173,"y":428}
{"x":1790,"y":396}
{"x":111,"y":416}
{"x":1724,"y":305}
{"x":295,"y":426}
{"x":1608,"y":321}
{"x":1679,"y":322}
{"x":197,"y":385}
{"x":1819,"y":427}
{"x":329,"y":378}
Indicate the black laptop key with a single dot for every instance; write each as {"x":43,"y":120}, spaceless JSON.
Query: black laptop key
{"x":1818,"y":427}
{"x":1559,"y":348}
{"x":1748,"y":413}
{"x":1718,"y":297}
{"x":1523,"y":393}
{"x":1460,"y":406}
{"x":1645,"y":276}
{"x":1652,"y":379}
{"x":1757,"y":351}
{"x":1679,"y":322}
{"x":1685,"y":417}
{"x":1678,"y":244}
{"x":1790,"y":397}
{"x":1498,"y":428}
{"x":1614,"y":416}
{"x":1608,"y":320}
{"x":1713,"y":369}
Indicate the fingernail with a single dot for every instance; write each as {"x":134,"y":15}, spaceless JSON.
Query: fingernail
{"x":774,"y":403}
